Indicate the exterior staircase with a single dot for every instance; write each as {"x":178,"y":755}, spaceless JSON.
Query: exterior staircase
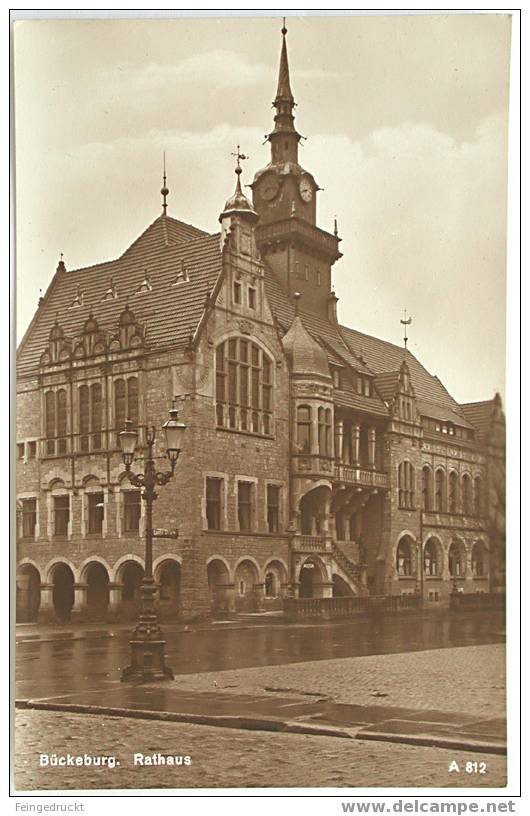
{"x":350,"y":571}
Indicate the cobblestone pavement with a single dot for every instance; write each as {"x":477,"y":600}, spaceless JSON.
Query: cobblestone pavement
{"x":227,"y":758}
{"x":468,"y":679}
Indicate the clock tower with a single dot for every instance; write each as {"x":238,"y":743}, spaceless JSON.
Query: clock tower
{"x":284,"y":196}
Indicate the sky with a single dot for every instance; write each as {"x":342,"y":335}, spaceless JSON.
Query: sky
{"x":406,"y":124}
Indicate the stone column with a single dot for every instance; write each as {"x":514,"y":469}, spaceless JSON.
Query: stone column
{"x":371,"y":447}
{"x":46,"y":610}
{"x":79,"y":608}
{"x":115,"y":596}
{"x":355,"y":440}
{"x":339,"y":432}
{"x":259,"y":596}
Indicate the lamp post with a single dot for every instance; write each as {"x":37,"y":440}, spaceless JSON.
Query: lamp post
{"x":147,"y":642}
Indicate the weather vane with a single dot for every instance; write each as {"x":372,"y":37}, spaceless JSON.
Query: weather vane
{"x":164,"y":191}
{"x":405,"y":322}
{"x":239,"y":157}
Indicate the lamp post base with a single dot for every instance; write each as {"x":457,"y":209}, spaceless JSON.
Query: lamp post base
{"x":147,"y":662}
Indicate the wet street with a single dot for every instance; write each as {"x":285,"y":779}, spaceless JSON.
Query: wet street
{"x":74,"y":663}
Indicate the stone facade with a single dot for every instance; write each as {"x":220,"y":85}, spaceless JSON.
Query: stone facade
{"x":316,"y":461}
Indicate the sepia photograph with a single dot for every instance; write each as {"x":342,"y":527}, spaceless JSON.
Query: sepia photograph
{"x":260,"y":268}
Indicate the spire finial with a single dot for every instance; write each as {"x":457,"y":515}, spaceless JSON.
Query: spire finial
{"x":335,"y":228}
{"x":164,"y":191}
{"x":239,"y":158}
{"x":284,"y":29}
{"x":405,"y":322}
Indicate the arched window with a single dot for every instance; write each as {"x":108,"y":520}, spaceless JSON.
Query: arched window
{"x":55,"y":421}
{"x":426,"y":487}
{"x":303,"y":428}
{"x":125,"y":403}
{"x":243,"y":386}
{"x":478,"y":560}
{"x":270,"y":585}
{"x":456,"y":559}
{"x":466,"y":494}
{"x":431,"y":561}
{"x":90,"y":417}
{"x":453,"y":492}
{"x":439,"y":491}
{"x":404,"y":564}
{"x":477,"y":496}
{"x":406,"y":485}
{"x":84,"y":417}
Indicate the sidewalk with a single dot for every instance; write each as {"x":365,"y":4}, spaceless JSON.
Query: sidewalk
{"x":453,"y":719}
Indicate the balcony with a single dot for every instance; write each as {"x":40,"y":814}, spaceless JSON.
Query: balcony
{"x":313,"y":465}
{"x":294,"y":228}
{"x":349,"y":474}
{"x":453,"y":521}
{"x":309,"y":544}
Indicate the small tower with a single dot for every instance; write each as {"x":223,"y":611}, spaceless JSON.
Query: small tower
{"x":238,"y":210}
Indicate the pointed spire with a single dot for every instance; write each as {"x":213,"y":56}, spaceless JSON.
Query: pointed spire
{"x":164,"y":191}
{"x":238,"y":202}
{"x":284,"y":92}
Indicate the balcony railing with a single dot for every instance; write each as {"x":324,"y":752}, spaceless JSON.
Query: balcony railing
{"x":307,"y":543}
{"x":349,"y":474}
{"x":349,"y":606}
{"x":295,"y":226}
{"x":456,"y":521}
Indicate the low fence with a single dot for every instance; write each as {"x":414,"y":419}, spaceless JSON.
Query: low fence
{"x":477,"y":600}
{"x":349,"y":606}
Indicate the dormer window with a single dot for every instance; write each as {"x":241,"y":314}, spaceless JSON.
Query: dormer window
{"x":182,"y":275}
{"x":366,"y":387}
{"x":337,"y":378}
{"x":145,"y":286}
{"x":78,"y":300}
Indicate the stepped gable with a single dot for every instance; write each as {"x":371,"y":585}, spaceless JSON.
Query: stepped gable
{"x":167,"y":251}
{"x":432,"y":397}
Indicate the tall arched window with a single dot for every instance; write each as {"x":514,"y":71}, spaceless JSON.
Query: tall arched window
{"x":466,"y":494}
{"x":404,"y":561}
{"x":477,"y":496}
{"x":125,"y":403}
{"x":426,"y":487}
{"x":84,"y":417}
{"x":478,"y":560}
{"x":453,"y":492}
{"x":55,"y":421}
{"x":431,"y":560}
{"x":457,"y":559}
{"x":90,"y":417}
{"x":406,"y":485}
{"x":303,"y":429}
{"x":243,"y":386}
{"x":439,"y":491}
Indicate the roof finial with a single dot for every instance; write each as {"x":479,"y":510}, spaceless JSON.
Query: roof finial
{"x":406,"y":322}
{"x":284,"y":29}
{"x":60,"y":266}
{"x":239,"y":158}
{"x":335,"y":228}
{"x":296,"y":297}
{"x":164,"y":191}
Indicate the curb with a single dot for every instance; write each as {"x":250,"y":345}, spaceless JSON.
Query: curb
{"x":272,"y":725}
{"x":221,"y":721}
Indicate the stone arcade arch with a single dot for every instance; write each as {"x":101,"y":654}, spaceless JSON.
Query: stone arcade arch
{"x":275,"y":582}
{"x":220,"y":587}
{"x":247,"y":586}
{"x":96,"y":577}
{"x":314,"y":510}
{"x":313,"y":578}
{"x":168,"y":577}
{"x":28,"y":593}
{"x":62,"y":579}
{"x":129,"y":575}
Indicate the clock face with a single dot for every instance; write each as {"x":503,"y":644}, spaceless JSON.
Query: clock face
{"x":270,"y":188}
{"x":306,"y":190}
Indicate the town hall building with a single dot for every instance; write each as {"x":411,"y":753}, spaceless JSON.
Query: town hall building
{"x":317,"y":461}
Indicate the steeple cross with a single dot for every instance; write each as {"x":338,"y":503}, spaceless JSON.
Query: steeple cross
{"x":405,"y":322}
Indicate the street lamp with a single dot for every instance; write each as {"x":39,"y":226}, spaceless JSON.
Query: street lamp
{"x":147,"y":643}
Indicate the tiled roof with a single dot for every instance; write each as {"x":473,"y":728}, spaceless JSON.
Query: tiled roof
{"x":384,"y":357}
{"x":169,"y":312}
{"x":305,"y":354}
{"x":480,"y":415}
{"x":386,"y":384}
{"x":349,"y":399}
{"x":444,"y":413}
